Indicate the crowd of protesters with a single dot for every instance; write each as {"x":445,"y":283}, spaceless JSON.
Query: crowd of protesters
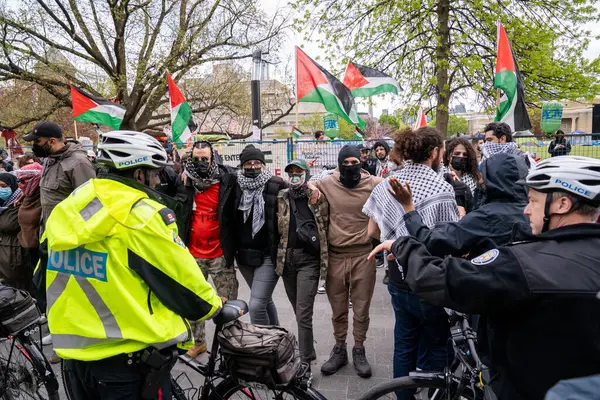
{"x":458,"y":197}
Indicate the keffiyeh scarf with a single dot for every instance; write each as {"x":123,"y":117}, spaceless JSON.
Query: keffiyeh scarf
{"x":470,"y":181}
{"x":433,"y":198}
{"x":489,"y":149}
{"x":252,"y":198}
{"x":201,"y":184}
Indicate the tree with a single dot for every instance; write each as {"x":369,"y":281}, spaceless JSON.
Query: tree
{"x":455,"y":125}
{"x":443,"y":48}
{"x":311,"y":123}
{"x":130,"y":45}
{"x":389,"y":120}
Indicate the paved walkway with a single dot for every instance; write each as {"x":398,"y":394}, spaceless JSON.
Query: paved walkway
{"x":345,"y":384}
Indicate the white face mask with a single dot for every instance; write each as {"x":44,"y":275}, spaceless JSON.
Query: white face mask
{"x":297,"y":180}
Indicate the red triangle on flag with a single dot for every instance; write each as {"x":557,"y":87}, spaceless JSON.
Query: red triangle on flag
{"x":175,"y":94}
{"x":308,"y":75}
{"x":421,"y":121}
{"x":80,"y":102}
{"x":504,"y":61}
{"x":353,"y":79}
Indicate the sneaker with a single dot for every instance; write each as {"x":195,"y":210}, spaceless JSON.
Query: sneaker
{"x":380,"y":263}
{"x":54,"y":358}
{"x":349,"y":302}
{"x":197,"y":350}
{"x":337,"y":359}
{"x":361,"y":365}
{"x":43,"y":320}
{"x":321,"y":289}
{"x":386,"y":278}
{"x":47,"y":340}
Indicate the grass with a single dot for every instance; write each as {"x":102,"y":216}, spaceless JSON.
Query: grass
{"x":542,"y":151}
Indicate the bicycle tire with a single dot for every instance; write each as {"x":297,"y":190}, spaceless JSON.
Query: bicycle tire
{"x":406,"y":382}
{"x":227,"y":388}
{"x":34,"y":371}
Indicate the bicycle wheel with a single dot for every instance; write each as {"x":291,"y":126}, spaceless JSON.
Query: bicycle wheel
{"x":433,"y":388}
{"x":229,"y":389}
{"x":27,"y":375}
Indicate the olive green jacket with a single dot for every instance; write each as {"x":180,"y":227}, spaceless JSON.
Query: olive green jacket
{"x":321,"y":213}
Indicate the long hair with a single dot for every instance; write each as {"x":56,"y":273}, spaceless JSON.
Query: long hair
{"x":471,"y":155}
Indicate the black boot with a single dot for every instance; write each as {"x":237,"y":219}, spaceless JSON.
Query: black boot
{"x":361,"y":365}
{"x":337,"y":359}
{"x":386,"y":278}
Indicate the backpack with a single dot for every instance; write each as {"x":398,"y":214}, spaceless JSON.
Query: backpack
{"x":259,"y":353}
{"x":17,"y":311}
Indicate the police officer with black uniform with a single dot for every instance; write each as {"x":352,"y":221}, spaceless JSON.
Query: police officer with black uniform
{"x":538,"y":294}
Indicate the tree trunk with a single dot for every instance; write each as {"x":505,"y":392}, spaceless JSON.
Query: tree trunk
{"x":441,"y":61}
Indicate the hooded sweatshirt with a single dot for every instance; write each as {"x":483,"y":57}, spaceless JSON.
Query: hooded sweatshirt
{"x":347,"y":224}
{"x":491,"y":225}
{"x":64,"y":171}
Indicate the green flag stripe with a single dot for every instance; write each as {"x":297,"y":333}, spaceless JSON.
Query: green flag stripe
{"x":329,"y":100}
{"x":507,"y":82}
{"x":100,"y":118}
{"x":180,"y":124}
{"x":372,"y":91}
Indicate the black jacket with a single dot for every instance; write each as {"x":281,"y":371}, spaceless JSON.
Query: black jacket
{"x":563,"y":151}
{"x":168,"y":181}
{"x":273,"y":186}
{"x":185,"y":195}
{"x":462,"y":193}
{"x":539,"y":297}
{"x":370,"y":166}
{"x":489,"y":226}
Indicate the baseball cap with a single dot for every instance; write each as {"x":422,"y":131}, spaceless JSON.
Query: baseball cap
{"x":298,"y":163}
{"x":44,"y":129}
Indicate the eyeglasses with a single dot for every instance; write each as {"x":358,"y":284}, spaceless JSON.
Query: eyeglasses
{"x":252,"y":164}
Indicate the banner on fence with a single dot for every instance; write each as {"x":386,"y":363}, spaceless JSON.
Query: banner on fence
{"x":320,"y":154}
{"x":275,"y":154}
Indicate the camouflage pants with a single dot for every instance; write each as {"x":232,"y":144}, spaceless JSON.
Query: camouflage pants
{"x":225,"y":283}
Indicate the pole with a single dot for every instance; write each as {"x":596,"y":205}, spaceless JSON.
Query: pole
{"x":75,"y":125}
{"x":255,"y":94}
{"x":497,"y":98}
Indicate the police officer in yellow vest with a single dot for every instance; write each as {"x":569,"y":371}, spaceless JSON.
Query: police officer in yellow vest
{"x":121,"y":286}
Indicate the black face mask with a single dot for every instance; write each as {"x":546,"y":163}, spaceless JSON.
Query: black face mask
{"x":252,"y":172}
{"x":459,"y":163}
{"x":350,"y":175}
{"x":201,"y":168}
{"x":41,"y":150}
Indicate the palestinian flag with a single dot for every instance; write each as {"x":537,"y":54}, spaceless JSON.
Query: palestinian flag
{"x":358,"y":135}
{"x":421,"y":119}
{"x":87,"y":108}
{"x":183,"y":126}
{"x":366,"y":82}
{"x":512,"y":108}
{"x":296,"y":133}
{"x":314,"y":84}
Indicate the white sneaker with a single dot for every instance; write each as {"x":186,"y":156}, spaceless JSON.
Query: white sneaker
{"x":43,"y":320}
{"x":321,"y":289}
{"x":47,"y":340}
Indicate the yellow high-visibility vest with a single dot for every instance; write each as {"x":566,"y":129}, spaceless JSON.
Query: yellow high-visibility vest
{"x":118,"y":277}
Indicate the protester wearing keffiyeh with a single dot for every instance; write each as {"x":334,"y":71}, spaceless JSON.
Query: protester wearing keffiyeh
{"x":489,"y":149}
{"x":11,"y":181}
{"x":252,"y":198}
{"x":202,"y":173}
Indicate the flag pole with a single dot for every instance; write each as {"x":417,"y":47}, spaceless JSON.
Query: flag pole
{"x":75,"y":125}
{"x":297,"y":105}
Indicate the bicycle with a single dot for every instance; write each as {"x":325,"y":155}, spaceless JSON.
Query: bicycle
{"x":219,"y":384}
{"x":25,"y":373}
{"x":466,"y":378}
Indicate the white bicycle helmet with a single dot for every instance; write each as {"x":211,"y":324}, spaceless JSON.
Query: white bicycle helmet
{"x":573,"y":174}
{"x":129,"y":149}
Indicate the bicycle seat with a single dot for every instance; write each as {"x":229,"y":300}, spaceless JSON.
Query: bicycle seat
{"x":232,"y":310}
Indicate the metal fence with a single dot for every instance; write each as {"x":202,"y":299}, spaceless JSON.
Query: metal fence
{"x":581,"y":145}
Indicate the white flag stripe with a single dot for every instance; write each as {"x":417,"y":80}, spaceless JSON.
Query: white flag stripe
{"x":377,"y":81}
{"x":114,"y":111}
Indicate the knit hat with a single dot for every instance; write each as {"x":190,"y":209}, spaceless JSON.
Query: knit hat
{"x":251,"y":153}
{"x":348,"y":151}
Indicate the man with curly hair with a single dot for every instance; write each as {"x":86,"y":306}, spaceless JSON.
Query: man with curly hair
{"x":435,"y":202}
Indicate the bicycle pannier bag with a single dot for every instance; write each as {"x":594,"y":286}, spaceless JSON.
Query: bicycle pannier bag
{"x":17,"y":310}
{"x":259,"y":353}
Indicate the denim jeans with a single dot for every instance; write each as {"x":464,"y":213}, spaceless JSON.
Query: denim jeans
{"x":417,"y":322}
{"x":262,"y":281}
{"x":301,"y":279}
